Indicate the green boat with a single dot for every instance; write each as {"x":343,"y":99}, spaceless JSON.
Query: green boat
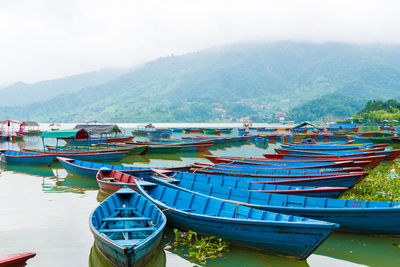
{"x":377,"y":140}
{"x":32,"y":132}
{"x":133,"y":149}
{"x":162,"y":150}
{"x":212,"y":131}
{"x":225,"y":130}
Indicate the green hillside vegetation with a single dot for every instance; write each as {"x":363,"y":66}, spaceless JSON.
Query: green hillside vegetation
{"x":379,"y":111}
{"x":327,"y":108}
{"x":228,"y":83}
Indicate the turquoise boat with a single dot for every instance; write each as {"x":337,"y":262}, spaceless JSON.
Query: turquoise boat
{"x":127,"y":228}
{"x":16,"y":157}
{"x":274,"y":233}
{"x":83,"y":155}
{"x":90,"y":169}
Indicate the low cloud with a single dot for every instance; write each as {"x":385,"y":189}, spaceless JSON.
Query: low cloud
{"x":47,"y":39}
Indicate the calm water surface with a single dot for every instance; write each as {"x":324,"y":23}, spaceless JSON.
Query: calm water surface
{"x":46,"y":210}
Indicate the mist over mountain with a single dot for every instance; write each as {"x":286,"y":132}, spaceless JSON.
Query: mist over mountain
{"x":21,"y":93}
{"x":247,"y":80}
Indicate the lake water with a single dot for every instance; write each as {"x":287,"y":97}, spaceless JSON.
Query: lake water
{"x":45,"y":210}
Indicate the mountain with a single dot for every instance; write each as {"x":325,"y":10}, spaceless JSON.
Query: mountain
{"x":23,"y":93}
{"x":327,"y":108}
{"x":250,"y":80}
{"x":379,"y":111}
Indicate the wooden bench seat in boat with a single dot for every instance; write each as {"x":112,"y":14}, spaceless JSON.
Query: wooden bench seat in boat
{"x":129,"y":242}
{"x":125,"y":230}
{"x":112,"y":219}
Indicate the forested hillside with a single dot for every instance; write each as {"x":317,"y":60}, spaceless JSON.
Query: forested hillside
{"x":252,"y":80}
{"x":327,"y":108}
{"x":379,"y":111}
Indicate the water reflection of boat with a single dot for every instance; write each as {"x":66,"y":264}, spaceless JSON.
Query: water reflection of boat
{"x":243,"y":257}
{"x":96,"y":259}
{"x":261,"y":145}
{"x":133,"y":158}
{"x":164,"y":157}
{"x":42,"y":171}
{"x":235,"y":256}
{"x":78,"y":181}
{"x":362,"y":249}
{"x":238,"y":144}
{"x":101,"y":195}
{"x":68,"y":183}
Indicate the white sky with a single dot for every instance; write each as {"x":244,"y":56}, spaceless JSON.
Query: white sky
{"x":46,"y":39}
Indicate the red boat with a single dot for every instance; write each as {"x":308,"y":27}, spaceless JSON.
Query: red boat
{"x":111,"y":181}
{"x":305,"y":176}
{"x":334,"y":180}
{"x":363,"y":163}
{"x":374,"y":160}
{"x":210,"y":166}
{"x":16,"y":260}
{"x":393,"y":154}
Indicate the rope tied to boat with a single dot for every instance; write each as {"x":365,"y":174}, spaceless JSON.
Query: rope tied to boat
{"x":236,"y":208}
{"x":166,"y":209}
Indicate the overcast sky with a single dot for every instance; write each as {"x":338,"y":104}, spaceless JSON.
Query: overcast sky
{"x":46,"y":39}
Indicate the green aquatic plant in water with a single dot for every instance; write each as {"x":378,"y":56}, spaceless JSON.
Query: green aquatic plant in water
{"x":199,"y":249}
{"x":381,"y":184}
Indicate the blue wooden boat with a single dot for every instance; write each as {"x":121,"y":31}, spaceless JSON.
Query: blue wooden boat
{"x":99,"y":140}
{"x":266,"y":129}
{"x":275,"y":169}
{"x":244,"y":226}
{"x":265,"y":173}
{"x":127,"y":228}
{"x":16,"y":157}
{"x":327,"y":147}
{"x":312,"y":142}
{"x":90,"y":169}
{"x":326,"y":152}
{"x":284,"y":165}
{"x":140,"y":132}
{"x":323,"y":155}
{"x":219,"y":140}
{"x":344,"y":180}
{"x":279,"y":167}
{"x":189,"y":178}
{"x":86,"y":155}
{"x":159,"y":134}
{"x":279,"y":160}
{"x":370,"y":217}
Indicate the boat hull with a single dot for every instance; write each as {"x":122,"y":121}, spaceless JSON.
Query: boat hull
{"x":356,"y":216}
{"x":90,"y":169}
{"x":91,"y":156}
{"x":378,"y":221}
{"x":297,"y":239}
{"x":118,"y":258}
{"x":27,"y":159}
{"x":280,"y":238}
{"x":127,"y":228}
{"x":16,"y":260}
